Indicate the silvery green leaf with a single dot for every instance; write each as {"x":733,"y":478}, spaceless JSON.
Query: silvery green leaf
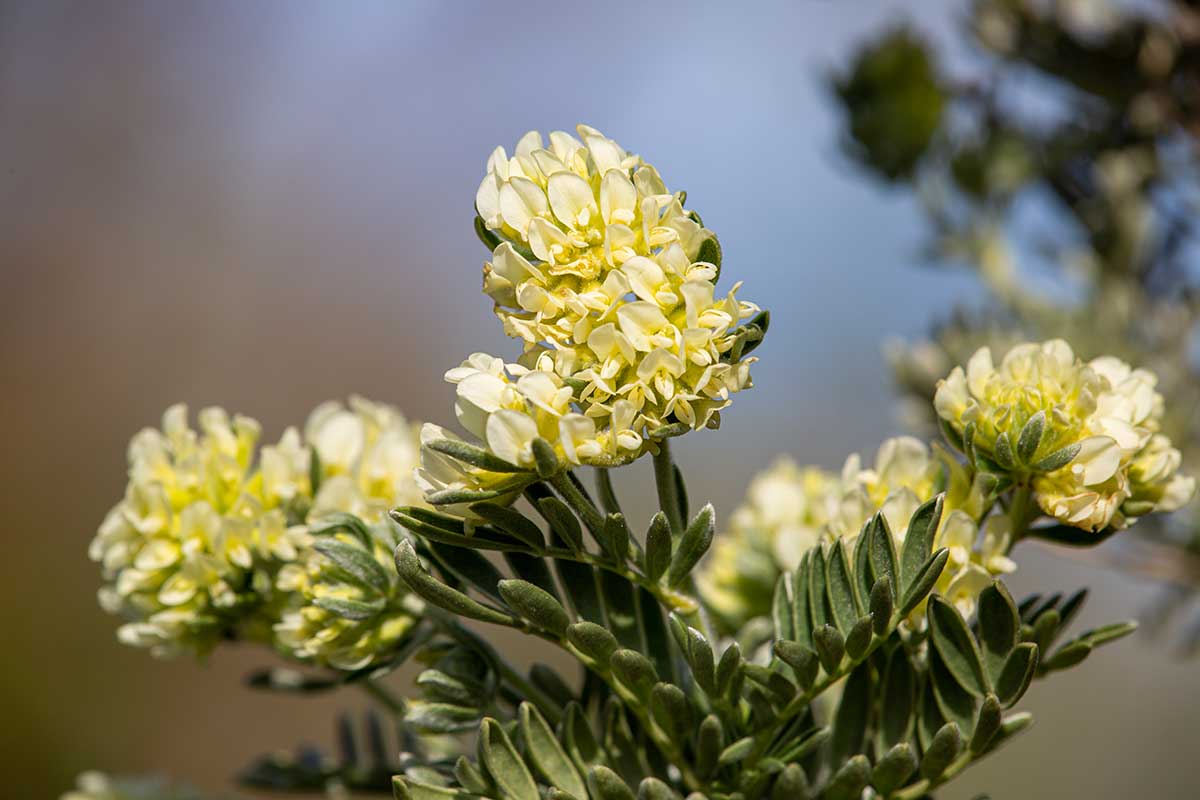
{"x":1017,"y":673}
{"x":536,"y":605}
{"x":654,"y":789}
{"x":441,"y":717}
{"x":955,"y":703}
{"x":405,"y":789}
{"x":859,"y":638}
{"x":693,"y":544}
{"x":1046,"y":628}
{"x":850,"y":719}
{"x":987,"y":724}
{"x":579,"y":738}
{"x":881,"y":605}
{"x":895,"y":767}
{"x":473,"y":455}
{"x":439,"y":687}
{"x":782,"y":606}
{"x":544,"y":458}
{"x":670,"y":708}
{"x":513,"y":522}
{"x":728,"y":667}
{"x":605,"y":784}
{"x":439,"y":594}
{"x":849,"y":780}
{"x":736,"y":751}
{"x":818,"y":602}
{"x":808,"y":744}
{"x":468,"y":566}
{"x":957,"y":646}
{"x":881,"y":550}
{"x":547,"y":755}
{"x":1031,"y":437}
{"x":999,"y":627}
{"x":710,"y":252}
{"x":801,"y":659}
{"x":1058,"y":459}
{"x":1071,"y":607}
{"x":658,"y":547}
{"x":504,"y":764}
{"x":357,"y":561}
{"x":700,"y":658}
{"x":861,"y":559}
{"x":801,"y":614}
{"x":843,"y":601}
{"x":897,"y":700}
{"x":471,"y":778}
{"x":562,"y":520}
{"x":1108,"y":633}
{"x":593,"y":640}
{"x":918,"y":543}
{"x":946,"y":745}
{"x":616,"y":537}
{"x":1004,"y":452}
{"x":710,"y":741}
{"x":1067,"y":656}
{"x":830,"y":647}
{"x":338,"y":521}
{"x":924,"y":581}
{"x":792,"y":784}
{"x":351,"y":609}
{"x":634,"y":670}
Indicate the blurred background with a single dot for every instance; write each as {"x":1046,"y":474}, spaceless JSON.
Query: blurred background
{"x":265,"y":205}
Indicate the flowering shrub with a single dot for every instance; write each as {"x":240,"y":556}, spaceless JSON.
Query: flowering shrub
{"x":361,"y":544}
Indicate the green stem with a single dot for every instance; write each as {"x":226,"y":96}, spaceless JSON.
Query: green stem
{"x":766,"y":738}
{"x":668,"y":500}
{"x":668,"y":489}
{"x":579,"y":503}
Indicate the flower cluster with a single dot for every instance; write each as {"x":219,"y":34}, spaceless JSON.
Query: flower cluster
{"x":352,"y":608}
{"x":596,"y":263}
{"x":789,"y":510}
{"x":1082,"y":435}
{"x":98,"y":786}
{"x":192,"y":552}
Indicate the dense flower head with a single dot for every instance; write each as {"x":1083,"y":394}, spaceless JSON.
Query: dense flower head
{"x":190,"y":554}
{"x":352,"y":607}
{"x":1083,"y":434}
{"x":598,"y":264}
{"x":789,"y":510}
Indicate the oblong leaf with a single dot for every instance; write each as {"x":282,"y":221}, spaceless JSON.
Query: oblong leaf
{"x":957,"y":647}
{"x":547,"y":755}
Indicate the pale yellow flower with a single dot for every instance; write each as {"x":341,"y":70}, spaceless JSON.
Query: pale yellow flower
{"x":1073,"y":430}
{"x":600,"y":264}
{"x":190,"y":554}
{"x":789,"y":510}
{"x":342,"y":620}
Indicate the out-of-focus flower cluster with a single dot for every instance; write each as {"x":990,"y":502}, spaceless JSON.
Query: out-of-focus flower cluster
{"x":198,"y":549}
{"x":98,"y":786}
{"x":788,"y":510}
{"x":1085,"y":436}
